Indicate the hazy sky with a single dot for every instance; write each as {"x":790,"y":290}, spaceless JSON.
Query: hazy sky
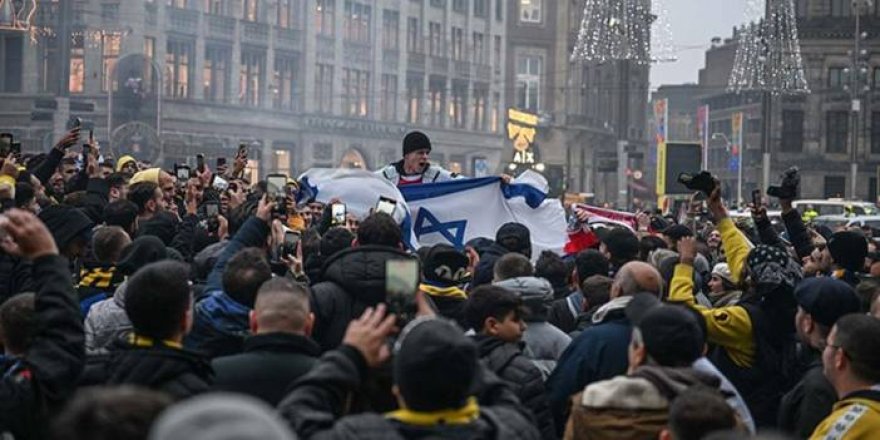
{"x":694,"y":23}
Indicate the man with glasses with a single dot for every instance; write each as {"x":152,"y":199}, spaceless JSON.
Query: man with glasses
{"x":851,"y":362}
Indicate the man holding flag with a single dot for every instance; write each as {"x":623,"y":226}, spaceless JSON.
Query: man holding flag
{"x":415,"y":168}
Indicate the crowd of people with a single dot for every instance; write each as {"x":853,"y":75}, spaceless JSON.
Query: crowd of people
{"x":137,"y":303}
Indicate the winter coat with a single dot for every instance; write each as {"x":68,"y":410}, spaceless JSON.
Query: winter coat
{"x":269,"y":364}
{"x":808,"y":403}
{"x":315,"y":408}
{"x":15,"y":276}
{"x":855,"y":417}
{"x":432,"y":173}
{"x":564,"y":312}
{"x":634,"y":406}
{"x":599,"y":352}
{"x":157,"y":365}
{"x":353,"y":279}
{"x":106,"y":322}
{"x":509,"y":363}
{"x":485,"y":270}
{"x":37,"y":384}
{"x":97,"y":282}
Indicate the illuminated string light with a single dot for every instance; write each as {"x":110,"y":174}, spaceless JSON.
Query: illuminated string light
{"x":662,"y":47}
{"x":613,"y":30}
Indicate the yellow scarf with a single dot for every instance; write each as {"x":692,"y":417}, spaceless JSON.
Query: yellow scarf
{"x":144,"y":341}
{"x":450,"y":292}
{"x":459,"y":416}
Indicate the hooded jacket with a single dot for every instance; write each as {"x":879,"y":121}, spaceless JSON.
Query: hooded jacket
{"x":485,"y":270}
{"x":37,"y":384}
{"x":432,"y":173}
{"x":634,"y":406}
{"x":106,"y":322}
{"x":509,"y":363}
{"x":855,"y":417}
{"x":353,"y":279}
{"x":809,"y":402}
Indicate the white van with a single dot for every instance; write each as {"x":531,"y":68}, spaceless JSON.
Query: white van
{"x":836,"y":207}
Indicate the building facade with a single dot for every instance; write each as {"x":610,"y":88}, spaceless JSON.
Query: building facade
{"x":305,"y":83}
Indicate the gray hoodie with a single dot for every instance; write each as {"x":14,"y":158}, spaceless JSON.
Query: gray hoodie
{"x":106,"y":322}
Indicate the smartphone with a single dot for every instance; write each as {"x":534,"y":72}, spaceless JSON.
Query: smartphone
{"x":401,"y":285}
{"x":86,"y":151}
{"x":220,"y":184}
{"x":275,"y":184}
{"x":386,"y":205}
{"x":221,"y":162}
{"x":200,"y":163}
{"x":291,"y":238}
{"x":337,"y":213}
{"x":183,"y":173}
{"x":212,"y":209}
{"x":91,"y":137}
{"x":6,"y":140}
{"x":756,"y":198}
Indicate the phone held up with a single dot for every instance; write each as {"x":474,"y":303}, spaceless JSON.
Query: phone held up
{"x":337,"y":214}
{"x":401,"y":286}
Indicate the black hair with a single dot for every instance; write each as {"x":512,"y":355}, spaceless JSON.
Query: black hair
{"x":142,"y":192}
{"x":699,"y":411}
{"x":867,"y":291}
{"x":590,"y":262}
{"x":552,"y":268}
{"x":67,"y":161}
{"x":116,"y":180}
{"x":245,"y":272}
{"x":18,"y":323}
{"x":512,"y":265}
{"x":122,"y":213}
{"x":108,"y":242}
{"x":24,"y":194}
{"x":157,"y":298}
{"x":596,"y":290}
{"x":859,"y":337}
{"x":109,"y":413}
{"x":650,"y":244}
{"x":379,"y":229}
{"x":489,"y":301}
{"x":335,"y":240}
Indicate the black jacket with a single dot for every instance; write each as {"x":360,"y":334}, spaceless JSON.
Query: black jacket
{"x":178,"y":372}
{"x":353,"y":279}
{"x":36,"y":385}
{"x":269,"y":364}
{"x":808,"y":403}
{"x":15,"y":276}
{"x":510,"y":364}
{"x":485,"y":270}
{"x":315,"y":407}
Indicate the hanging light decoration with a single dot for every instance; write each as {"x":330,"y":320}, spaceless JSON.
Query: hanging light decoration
{"x":17,"y":15}
{"x":613,"y":30}
{"x":768,"y":55}
{"x":662,"y":47}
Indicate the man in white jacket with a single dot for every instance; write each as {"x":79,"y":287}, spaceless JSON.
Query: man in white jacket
{"x":415,"y":168}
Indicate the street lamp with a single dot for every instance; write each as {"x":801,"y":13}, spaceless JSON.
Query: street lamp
{"x":739,"y":163}
{"x":857,"y":73}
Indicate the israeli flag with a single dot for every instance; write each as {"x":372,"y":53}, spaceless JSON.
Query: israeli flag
{"x":360,"y":190}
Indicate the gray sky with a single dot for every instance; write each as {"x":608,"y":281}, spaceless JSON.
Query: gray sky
{"x":694,"y":23}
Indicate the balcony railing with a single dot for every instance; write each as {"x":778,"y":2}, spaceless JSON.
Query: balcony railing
{"x":416,"y":61}
{"x":219,"y":26}
{"x":257,"y":33}
{"x":185,"y":21}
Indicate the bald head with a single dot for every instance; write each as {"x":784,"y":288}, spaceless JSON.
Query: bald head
{"x":635,"y":277}
{"x":282,"y":306}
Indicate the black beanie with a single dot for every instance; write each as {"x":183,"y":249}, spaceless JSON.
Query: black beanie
{"x":66,"y":224}
{"x":434,"y":365}
{"x":415,"y":140}
{"x":848,"y":249}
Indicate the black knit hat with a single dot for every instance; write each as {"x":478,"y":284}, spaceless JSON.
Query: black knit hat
{"x":444,"y":265}
{"x":515,"y":237}
{"x":826,"y":299}
{"x":671,"y":335}
{"x":66,"y":224}
{"x":848,"y":249}
{"x":434,"y":365}
{"x":414,"y":141}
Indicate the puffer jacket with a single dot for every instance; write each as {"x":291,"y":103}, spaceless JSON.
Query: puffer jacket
{"x":634,"y":406}
{"x":107,"y":322}
{"x":510,"y":364}
{"x":353,"y":279}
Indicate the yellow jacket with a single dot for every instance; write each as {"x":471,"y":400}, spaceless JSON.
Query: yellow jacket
{"x":853,"y":418}
{"x":729,"y":326}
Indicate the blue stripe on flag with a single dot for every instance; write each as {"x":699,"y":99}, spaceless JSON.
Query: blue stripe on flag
{"x":411,"y":193}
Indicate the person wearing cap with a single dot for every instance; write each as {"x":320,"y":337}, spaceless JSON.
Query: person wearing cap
{"x":821,"y":302}
{"x":722,"y":290}
{"x":619,"y":245}
{"x":851,"y":362}
{"x":510,"y":237}
{"x":442,"y":389}
{"x":70,"y":227}
{"x":843,"y":257}
{"x":664,"y":343}
{"x":444,"y":273}
{"x":415,"y":168}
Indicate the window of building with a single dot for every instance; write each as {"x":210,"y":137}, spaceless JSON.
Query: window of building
{"x":357,"y":21}
{"x":355,"y":92}
{"x":181,"y":4}
{"x":801,"y":8}
{"x":324,"y":21}
{"x":458,"y":105}
{"x":388,"y":97}
{"x":875,"y":81}
{"x":438,"y":3}
{"x":11,"y":54}
{"x":457,"y":43}
{"x":110,"y":11}
{"x":836,"y":131}
{"x":286,"y":11}
{"x":323,"y":151}
{"x":460,"y":6}
{"x":480,"y":8}
{"x":836,"y":77}
{"x":77,"y":64}
{"x":835,"y":186}
{"x":178,"y":71}
{"x":215,"y":7}
{"x":528,"y":82}
{"x":250,"y":10}
{"x":110,"y":45}
{"x":479,"y":48}
{"x":252,"y":77}
{"x":875,"y":132}
{"x":481,"y":95}
{"x":530,"y":11}
{"x":324,"y":88}
{"x":496,"y":55}
{"x":840,"y":8}
{"x":413,"y":35}
{"x":437,"y":101}
{"x":435,"y":39}
{"x":414,"y":92}
{"x":284,"y":88}
{"x":792,"y":131}
{"x":390,"y":29}
{"x":499,"y":10}
{"x":495,"y":121}
{"x":49,"y":69}
{"x":216,"y":73}
{"x":282,"y":160}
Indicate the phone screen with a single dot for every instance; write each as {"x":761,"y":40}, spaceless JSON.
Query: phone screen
{"x":386,"y":205}
{"x":291,"y":237}
{"x":212,"y":209}
{"x":220,"y":184}
{"x":337,"y":210}
{"x":275,"y":184}
{"x":182,"y":174}
{"x":200,"y":162}
{"x":401,"y":277}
